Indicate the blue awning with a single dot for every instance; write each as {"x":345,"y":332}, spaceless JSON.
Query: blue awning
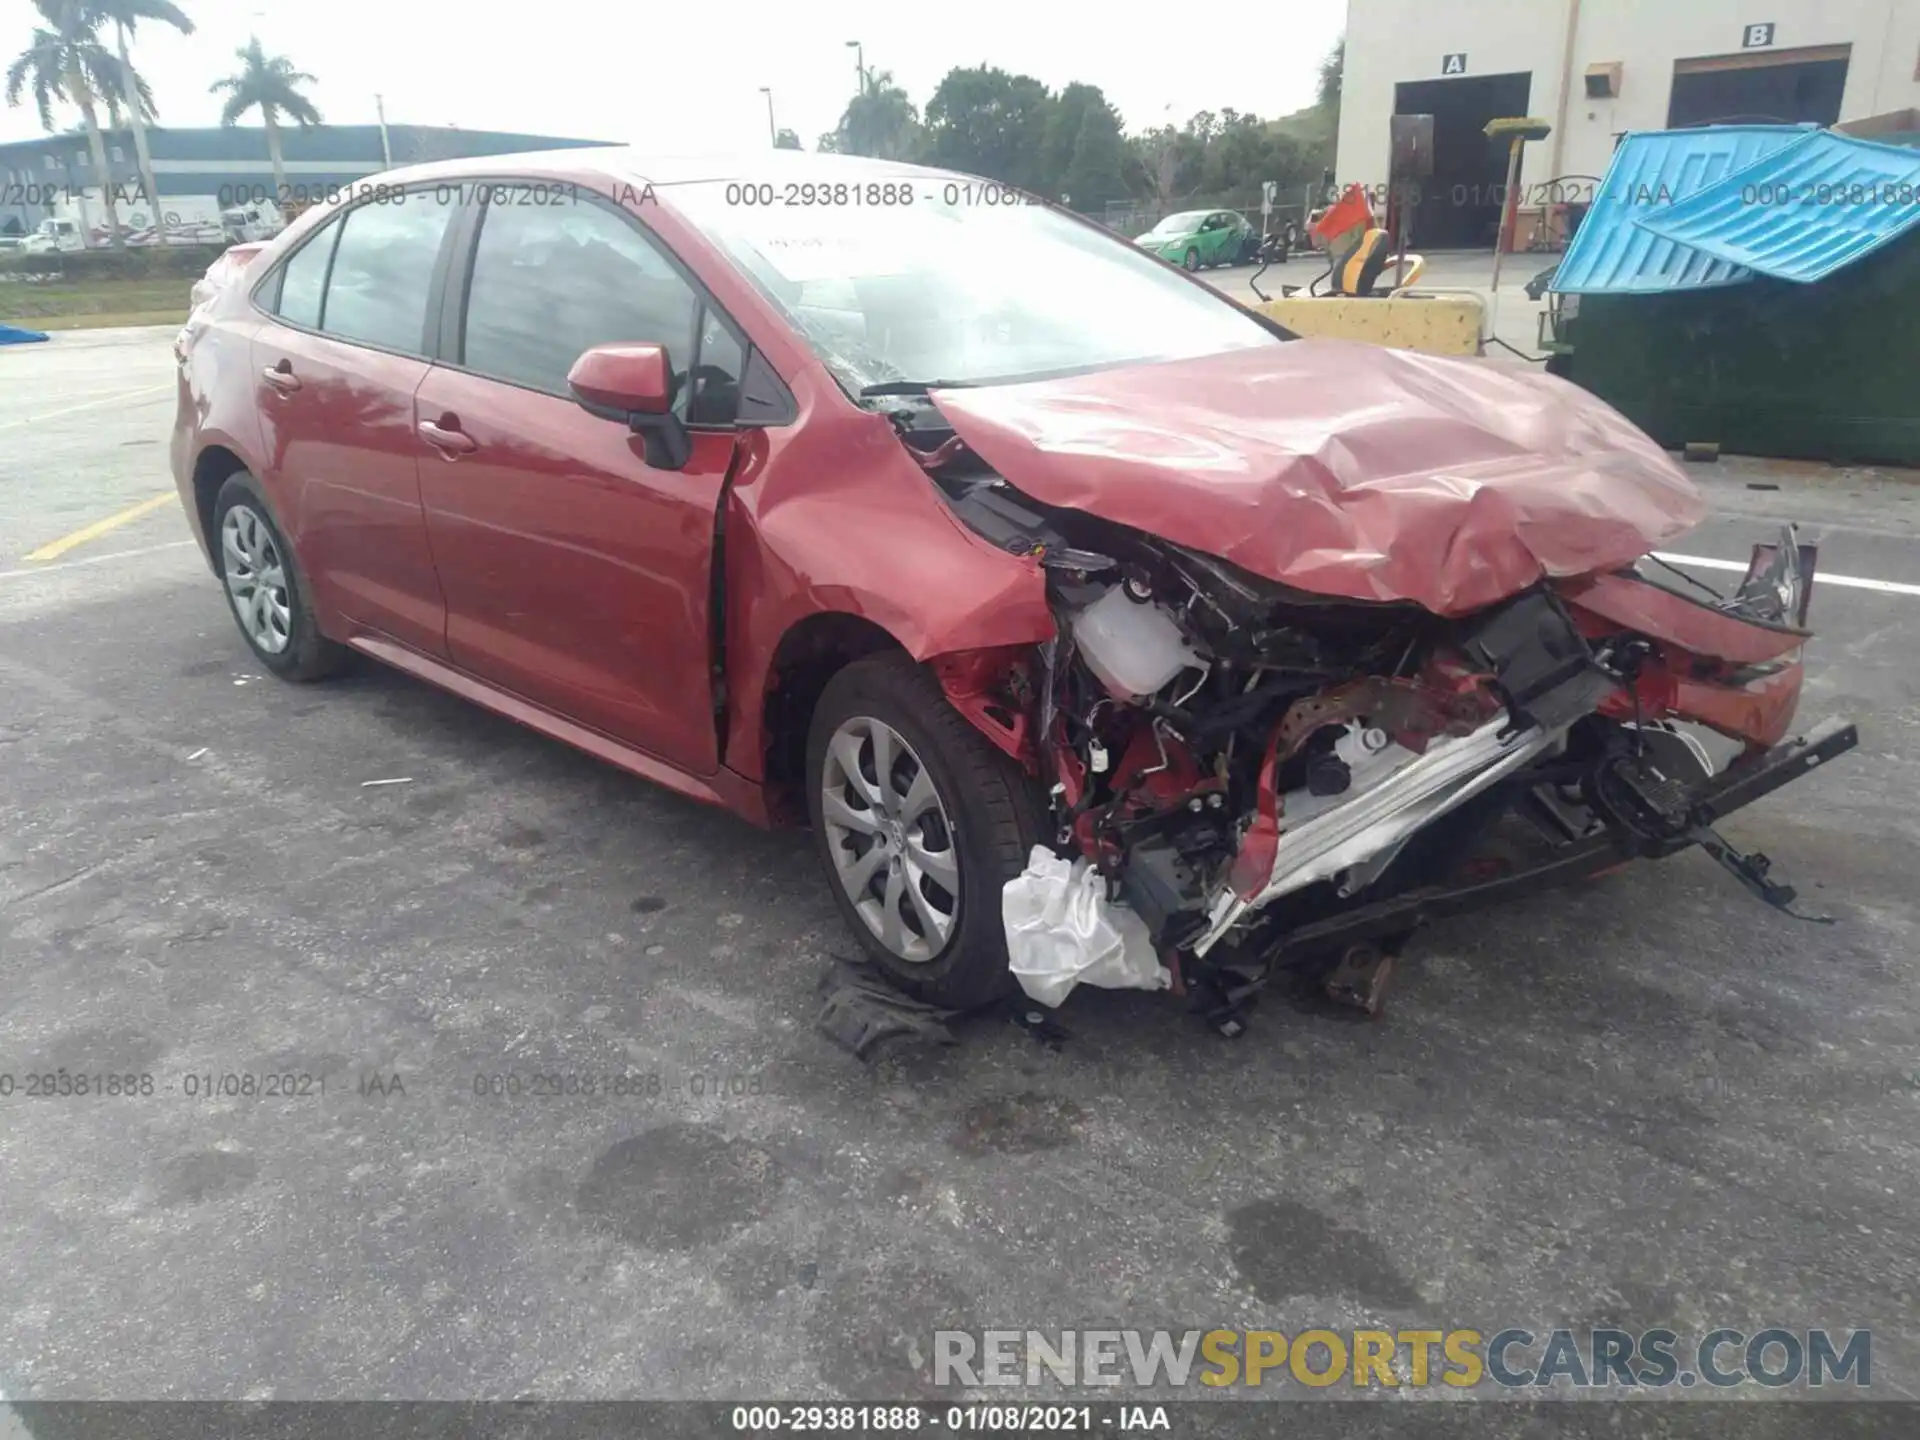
{"x":1652,"y":171}
{"x":1800,"y":212}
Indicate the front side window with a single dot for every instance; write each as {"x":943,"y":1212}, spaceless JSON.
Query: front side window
{"x":550,"y":282}
{"x":383,"y":271}
{"x":303,"y":279}
{"x":945,"y":288}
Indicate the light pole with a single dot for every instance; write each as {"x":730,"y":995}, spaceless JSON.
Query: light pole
{"x":773,"y":135}
{"x":859,"y":63}
{"x":386,"y":148}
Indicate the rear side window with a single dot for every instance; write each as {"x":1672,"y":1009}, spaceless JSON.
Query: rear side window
{"x":383,"y":271}
{"x":550,"y":282}
{"x":303,"y":278}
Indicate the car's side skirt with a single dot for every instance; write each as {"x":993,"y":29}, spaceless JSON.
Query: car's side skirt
{"x":724,"y":788}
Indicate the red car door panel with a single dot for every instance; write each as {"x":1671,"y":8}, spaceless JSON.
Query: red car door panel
{"x":344,"y":465}
{"x":576,"y":575}
{"x":333,"y":375}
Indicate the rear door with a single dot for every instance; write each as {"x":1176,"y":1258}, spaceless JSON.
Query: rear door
{"x":576,"y":574}
{"x":334,"y":377}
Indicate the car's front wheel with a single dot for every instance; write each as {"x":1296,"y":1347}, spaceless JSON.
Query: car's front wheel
{"x":265,"y":588}
{"x":1192,"y":260}
{"x":920,"y":823}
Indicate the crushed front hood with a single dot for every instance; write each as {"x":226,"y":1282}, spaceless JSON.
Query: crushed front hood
{"x":1344,"y":469}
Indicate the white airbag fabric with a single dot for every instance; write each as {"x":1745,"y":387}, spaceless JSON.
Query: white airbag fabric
{"x":1062,"y":931}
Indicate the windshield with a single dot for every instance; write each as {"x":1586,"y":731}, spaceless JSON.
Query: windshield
{"x":947,"y":288}
{"x":1180,"y":224}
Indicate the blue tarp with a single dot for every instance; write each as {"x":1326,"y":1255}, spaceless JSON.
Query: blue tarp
{"x":1652,"y":171}
{"x":10,"y":335}
{"x":1803,"y":211}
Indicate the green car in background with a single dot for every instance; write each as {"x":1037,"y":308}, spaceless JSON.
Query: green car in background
{"x":1201,"y":237}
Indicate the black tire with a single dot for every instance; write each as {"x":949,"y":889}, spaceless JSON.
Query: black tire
{"x":308,"y":654}
{"x":1191,"y":261}
{"x":994,"y":816}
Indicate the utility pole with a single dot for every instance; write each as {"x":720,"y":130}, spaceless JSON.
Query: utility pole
{"x":386,"y":148}
{"x":773,"y":135}
{"x":859,"y":63}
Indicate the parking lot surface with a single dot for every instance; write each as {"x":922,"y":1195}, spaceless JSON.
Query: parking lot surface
{"x":1651,"y":1101}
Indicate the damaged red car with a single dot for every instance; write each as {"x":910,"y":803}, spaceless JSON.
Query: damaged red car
{"x":893,"y":503}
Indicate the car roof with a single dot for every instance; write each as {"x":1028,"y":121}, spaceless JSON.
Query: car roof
{"x":624,"y":164}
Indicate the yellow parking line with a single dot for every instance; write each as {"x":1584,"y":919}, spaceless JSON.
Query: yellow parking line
{"x":53,"y":550}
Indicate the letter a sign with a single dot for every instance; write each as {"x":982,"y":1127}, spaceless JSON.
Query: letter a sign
{"x":1454,"y":64}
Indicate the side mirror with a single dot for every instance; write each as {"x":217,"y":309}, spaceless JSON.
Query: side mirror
{"x":634,"y":385}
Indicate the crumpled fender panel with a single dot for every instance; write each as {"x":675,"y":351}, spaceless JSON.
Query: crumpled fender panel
{"x":1344,"y":469}
{"x":834,"y":517}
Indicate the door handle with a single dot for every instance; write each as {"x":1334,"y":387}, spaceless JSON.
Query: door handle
{"x":447,"y":440}
{"x":281,"y":377}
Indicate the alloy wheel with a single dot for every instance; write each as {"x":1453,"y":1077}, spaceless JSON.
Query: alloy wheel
{"x":889,"y":838}
{"x":256,"y":579}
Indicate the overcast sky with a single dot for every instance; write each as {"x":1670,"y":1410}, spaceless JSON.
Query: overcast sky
{"x":688,"y":77}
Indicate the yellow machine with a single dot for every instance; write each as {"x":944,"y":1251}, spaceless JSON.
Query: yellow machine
{"x":1432,"y":324}
{"x":1369,"y":292}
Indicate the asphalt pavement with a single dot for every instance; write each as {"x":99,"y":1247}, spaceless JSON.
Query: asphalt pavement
{"x":1650,"y":1101}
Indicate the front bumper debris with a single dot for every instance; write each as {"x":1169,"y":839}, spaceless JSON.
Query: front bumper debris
{"x":1734,"y":789}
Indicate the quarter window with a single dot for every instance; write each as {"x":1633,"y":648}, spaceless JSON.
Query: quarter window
{"x":716,"y":376}
{"x":550,"y":282}
{"x":383,"y":271}
{"x":303,"y":279}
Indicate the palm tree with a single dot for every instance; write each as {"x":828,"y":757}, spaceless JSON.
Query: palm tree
{"x":125,"y":17}
{"x":270,"y":83}
{"x":64,"y":60}
{"x":880,"y":121}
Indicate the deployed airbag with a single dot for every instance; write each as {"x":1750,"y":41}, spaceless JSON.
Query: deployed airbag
{"x":1062,"y":931}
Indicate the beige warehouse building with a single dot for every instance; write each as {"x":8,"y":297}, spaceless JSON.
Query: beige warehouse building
{"x":1596,"y":69}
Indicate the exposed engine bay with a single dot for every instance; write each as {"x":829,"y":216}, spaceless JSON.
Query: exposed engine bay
{"x":1246,"y":762}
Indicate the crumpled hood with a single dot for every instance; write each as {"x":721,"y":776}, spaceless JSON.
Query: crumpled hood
{"x":1344,"y":469}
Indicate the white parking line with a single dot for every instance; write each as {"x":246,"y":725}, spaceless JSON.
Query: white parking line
{"x":123,"y":396}
{"x":11,"y":1427}
{"x":1821,"y":577}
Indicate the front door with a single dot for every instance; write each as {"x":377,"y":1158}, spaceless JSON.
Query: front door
{"x":577,"y":575}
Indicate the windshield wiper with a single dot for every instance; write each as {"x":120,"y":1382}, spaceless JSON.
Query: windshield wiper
{"x":910,"y":387}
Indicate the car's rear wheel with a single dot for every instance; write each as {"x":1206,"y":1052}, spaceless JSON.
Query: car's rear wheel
{"x":1192,"y":259}
{"x":265,"y":589}
{"x":920,"y":824}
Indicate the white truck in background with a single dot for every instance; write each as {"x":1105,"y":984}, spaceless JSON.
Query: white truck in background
{"x":53,"y":233}
{"x":79,"y":221}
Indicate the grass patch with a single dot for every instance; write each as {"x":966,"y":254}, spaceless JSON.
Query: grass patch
{"x":90,"y":304}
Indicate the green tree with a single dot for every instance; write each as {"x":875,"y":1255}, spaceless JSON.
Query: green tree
{"x":1096,"y":172}
{"x":984,"y":121}
{"x":1331,"y":70}
{"x":125,"y":17}
{"x":1164,"y":164}
{"x":65,"y":61}
{"x":270,"y":84}
{"x":1064,"y":122}
{"x":786,"y":140}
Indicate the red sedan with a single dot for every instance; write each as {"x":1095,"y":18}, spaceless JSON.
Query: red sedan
{"x":891,"y":502}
